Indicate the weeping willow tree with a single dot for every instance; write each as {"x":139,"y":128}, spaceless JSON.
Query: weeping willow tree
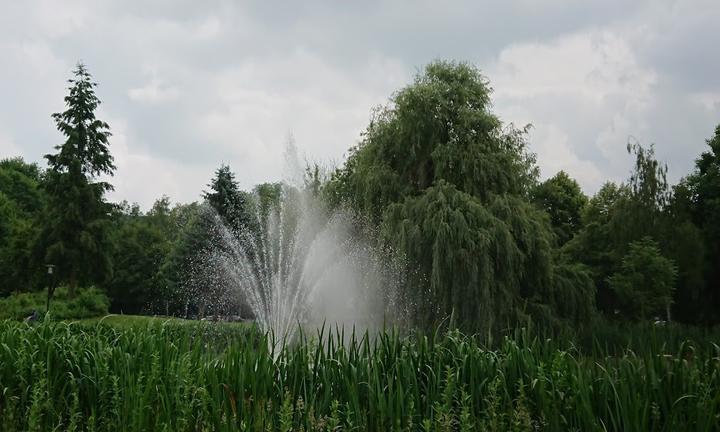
{"x":448,"y":184}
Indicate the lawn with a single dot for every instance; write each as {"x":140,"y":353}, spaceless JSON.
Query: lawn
{"x":138,"y":321}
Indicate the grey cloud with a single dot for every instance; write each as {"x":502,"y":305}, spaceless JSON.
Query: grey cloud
{"x":187,"y":85}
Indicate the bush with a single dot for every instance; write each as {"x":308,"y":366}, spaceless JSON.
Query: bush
{"x":646,"y":280}
{"x":88,"y":302}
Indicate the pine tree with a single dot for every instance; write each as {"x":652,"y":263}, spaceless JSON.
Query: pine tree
{"x":75,"y":237}
{"x":226,"y":198}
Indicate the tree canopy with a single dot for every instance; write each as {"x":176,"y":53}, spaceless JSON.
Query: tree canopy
{"x":226,"y":198}
{"x":449,"y":184}
{"x":701,"y":191}
{"x":561,"y":197}
{"x":21,"y":203}
{"x":437,"y":179}
{"x":75,"y":233}
{"x":645,"y":281}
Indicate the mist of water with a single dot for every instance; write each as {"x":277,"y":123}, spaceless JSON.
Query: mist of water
{"x":297,"y":266}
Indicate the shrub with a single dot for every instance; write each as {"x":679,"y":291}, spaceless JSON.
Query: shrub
{"x":87,"y":303}
{"x":646,"y":280}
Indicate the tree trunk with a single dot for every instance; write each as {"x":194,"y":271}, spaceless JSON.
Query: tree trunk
{"x":72,"y":284}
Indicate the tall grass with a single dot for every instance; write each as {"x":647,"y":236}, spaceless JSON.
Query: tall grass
{"x":59,"y":376}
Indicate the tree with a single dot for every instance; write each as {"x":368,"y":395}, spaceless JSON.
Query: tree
{"x":314,"y":179}
{"x":645,"y":281}
{"x":561,"y":197}
{"x":267,"y":196}
{"x":449,"y":184}
{"x":7,"y":219}
{"x":619,"y":215}
{"x":595,"y":245}
{"x":440,"y":127}
{"x":20,"y":182}
{"x":140,"y":244}
{"x":21,"y":204}
{"x":192,"y":283}
{"x":75,"y":235}
{"x":703,"y":201}
{"x":226,"y":198}
{"x":641,"y":213}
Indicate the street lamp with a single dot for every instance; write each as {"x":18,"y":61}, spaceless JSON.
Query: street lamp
{"x":51,"y":284}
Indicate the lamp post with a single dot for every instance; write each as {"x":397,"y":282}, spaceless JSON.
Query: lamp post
{"x":51,"y":284}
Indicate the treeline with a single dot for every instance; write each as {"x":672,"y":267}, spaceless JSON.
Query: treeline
{"x":442,"y":180}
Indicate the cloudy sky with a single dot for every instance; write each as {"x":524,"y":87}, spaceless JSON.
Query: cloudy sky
{"x":187,"y":85}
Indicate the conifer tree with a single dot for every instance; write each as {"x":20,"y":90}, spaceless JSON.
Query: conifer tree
{"x":226,"y":198}
{"x":75,"y":236}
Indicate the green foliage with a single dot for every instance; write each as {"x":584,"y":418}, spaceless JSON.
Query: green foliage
{"x":573,"y":292}
{"x":158,"y":377}
{"x":315,"y":179}
{"x":188,"y":282}
{"x":75,"y":235}
{"x":88,"y":303}
{"x":473,"y":251}
{"x":685,"y":245}
{"x":20,"y":182}
{"x":7,"y":215}
{"x":703,"y":203}
{"x":595,"y":245}
{"x":21,"y":204}
{"x":189,"y":242}
{"x":266,"y":196}
{"x":448,"y":184}
{"x":140,"y":246}
{"x":704,"y":185}
{"x":640,"y":214}
{"x":227,"y":199}
{"x":618,"y":216}
{"x":561,"y":197}
{"x":602,"y":207}
{"x":646,"y":280}
{"x":439,"y":128}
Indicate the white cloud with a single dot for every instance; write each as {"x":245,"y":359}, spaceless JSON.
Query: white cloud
{"x":553,"y":144}
{"x":8,"y":148}
{"x":710,"y":101}
{"x":154,"y":92}
{"x":208,"y":29}
{"x":256,"y":105}
{"x":142,"y":178}
{"x":585,"y":93}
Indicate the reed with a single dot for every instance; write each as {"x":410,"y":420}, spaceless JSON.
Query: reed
{"x":69,"y":376}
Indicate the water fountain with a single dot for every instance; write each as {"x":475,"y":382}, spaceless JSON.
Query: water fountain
{"x":297,"y":266}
